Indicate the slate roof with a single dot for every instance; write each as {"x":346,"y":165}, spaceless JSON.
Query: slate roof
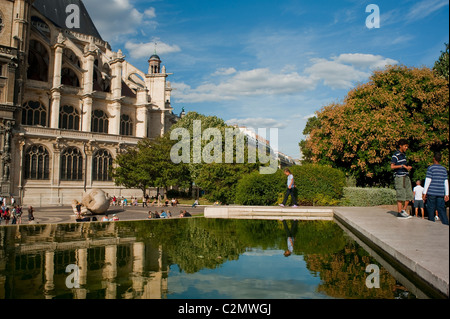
{"x":55,"y":11}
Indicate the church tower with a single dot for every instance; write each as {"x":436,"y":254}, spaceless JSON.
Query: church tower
{"x":154,"y":64}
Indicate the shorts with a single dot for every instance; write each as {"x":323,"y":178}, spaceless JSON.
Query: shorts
{"x":403,"y":188}
{"x":418,"y":203}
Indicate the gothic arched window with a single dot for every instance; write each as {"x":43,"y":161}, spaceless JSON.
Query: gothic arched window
{"x":69,"y":118}
{"x":71,"y":57}
{"x":68,"y":77}
{"x":37,"y":163}
{"x":34,"y":113}
{"x":126,"y":125}
{"x":102,"y":162}
{"x":38,"y":62}
{"x":99,"y":122}
{"x":71,"y":164}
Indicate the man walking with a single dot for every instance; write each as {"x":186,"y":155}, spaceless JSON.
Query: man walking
{"x":436,"y":191}
{"x":290,"y":190}
{"x":402,"y":181}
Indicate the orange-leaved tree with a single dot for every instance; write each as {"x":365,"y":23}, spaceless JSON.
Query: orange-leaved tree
{"x":360,"y":134}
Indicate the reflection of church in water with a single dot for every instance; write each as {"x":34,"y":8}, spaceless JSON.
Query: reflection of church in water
{"x":69,"y":104}
{"x":110,"y":267}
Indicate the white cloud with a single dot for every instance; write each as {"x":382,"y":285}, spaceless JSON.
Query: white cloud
{"x":307,"y":117}
{"x":369,"y":61}
{"x":344,"y":71}
{"x":117,"y":19}
{"x":225,"y":71}
{"x":424,"y":8}
{"x":341,"y":72}
{"x":150,"y":13}
{"x":257,"y":122}
{"x":334,"y":74}
{"x":144,"y":50}
{"x":256,"y":82}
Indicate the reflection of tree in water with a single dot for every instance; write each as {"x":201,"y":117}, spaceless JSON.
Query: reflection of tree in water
{"x":343,"y":274}
{"x":204,"y":244}
{"x":196,"y":244}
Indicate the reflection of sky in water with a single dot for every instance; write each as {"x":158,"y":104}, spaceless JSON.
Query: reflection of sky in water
{"x":257,"y":274}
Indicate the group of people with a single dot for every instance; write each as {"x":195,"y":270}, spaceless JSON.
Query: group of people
{"x":105,"y":218}
{"x":162,"y":214}
{"x":167,"y":214}
{"x":430,"y":198}
{"x":14,"y":214}
{"x":122,"y":201}
{"x":146,"y":201}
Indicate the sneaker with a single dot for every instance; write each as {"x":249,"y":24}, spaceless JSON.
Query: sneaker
{"x":403,"y":215}
{"x":295,"y":206}
{"x":436,"y":218}
{"x":281,"y":205}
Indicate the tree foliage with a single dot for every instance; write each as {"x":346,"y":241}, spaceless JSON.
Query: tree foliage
{"x":359,"y":135}
{"x":442,"y":64}
{"x":149,"y":165}
{"x":218,"y":180}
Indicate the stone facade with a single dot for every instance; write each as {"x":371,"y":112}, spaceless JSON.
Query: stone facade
{"x":68,"y":106}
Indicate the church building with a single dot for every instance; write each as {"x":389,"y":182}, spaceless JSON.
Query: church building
{"x":69,"y":104}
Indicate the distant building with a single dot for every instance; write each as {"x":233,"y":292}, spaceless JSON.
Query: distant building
{"x":254,"y":140}
{"x":69,"y":104}
{"x":285,"y":160}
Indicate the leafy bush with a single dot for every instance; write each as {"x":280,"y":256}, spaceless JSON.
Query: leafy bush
{"x":315,"y":185}
{"x":358,"y":196}
{"x":259,"y":190}
{"x":318,"y":184}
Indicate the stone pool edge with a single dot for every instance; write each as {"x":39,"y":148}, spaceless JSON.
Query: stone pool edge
{"x":406,"y":242}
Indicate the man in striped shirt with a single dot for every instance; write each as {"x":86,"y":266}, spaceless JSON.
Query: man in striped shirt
{"x":403,"y":187}
{"x":436,"y":191}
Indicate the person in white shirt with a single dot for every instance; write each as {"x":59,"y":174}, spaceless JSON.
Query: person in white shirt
{"x":418,"y":199}
{"x":291,"y":189}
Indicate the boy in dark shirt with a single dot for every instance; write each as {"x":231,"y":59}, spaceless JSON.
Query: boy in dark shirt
{"x":403,"y":187}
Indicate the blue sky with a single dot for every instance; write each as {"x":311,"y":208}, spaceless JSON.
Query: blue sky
{"x":266,"y":63}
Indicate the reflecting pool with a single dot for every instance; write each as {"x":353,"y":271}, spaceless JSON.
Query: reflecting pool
{"x":193,"y":258}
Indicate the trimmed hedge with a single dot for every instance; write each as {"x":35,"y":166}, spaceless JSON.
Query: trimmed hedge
{"x":366,"y":197}
{"x":315,"y":185}
{"x":318,"y":185}
{"x":255,"y":189}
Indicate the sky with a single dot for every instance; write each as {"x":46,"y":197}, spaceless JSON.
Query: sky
{"x":271,"y":63}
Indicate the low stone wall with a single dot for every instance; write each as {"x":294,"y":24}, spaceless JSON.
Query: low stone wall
{"x":270,"y":213}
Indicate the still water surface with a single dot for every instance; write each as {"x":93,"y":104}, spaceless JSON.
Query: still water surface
{"x":193,"y":258}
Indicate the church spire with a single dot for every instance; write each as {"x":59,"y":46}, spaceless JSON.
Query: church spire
{"x":154,"y":63}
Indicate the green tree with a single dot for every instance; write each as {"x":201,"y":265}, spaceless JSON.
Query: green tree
{"x":131,"y":170}
{"x":442,"y":64}
{"x":149,"y":165}
{"x":359,"y":135}
{"x":218,"y":180}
